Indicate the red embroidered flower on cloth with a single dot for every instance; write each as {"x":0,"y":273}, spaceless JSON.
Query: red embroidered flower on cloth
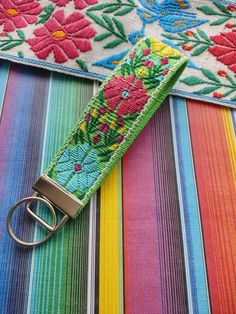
{"x":18,"y":13}
{"x":79,"y":4}
{"x":225,"y":49}
{"x":126,"y":94}
{"x":64,"y":37}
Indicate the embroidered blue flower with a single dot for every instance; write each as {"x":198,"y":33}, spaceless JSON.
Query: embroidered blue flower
{"x":77,"y":168}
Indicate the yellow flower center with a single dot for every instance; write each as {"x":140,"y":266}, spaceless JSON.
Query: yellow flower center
{"x":12,"y":12}
{"x":59,"y":34}
{"x":142,"y":71}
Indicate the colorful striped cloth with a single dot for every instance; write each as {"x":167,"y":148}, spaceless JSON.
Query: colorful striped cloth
{"x":159,"y":237}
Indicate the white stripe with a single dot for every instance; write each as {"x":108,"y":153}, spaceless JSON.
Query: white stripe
{"x":92,"y":245}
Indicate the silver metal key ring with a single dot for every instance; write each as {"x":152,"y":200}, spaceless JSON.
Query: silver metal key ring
{"x":29,"y":200}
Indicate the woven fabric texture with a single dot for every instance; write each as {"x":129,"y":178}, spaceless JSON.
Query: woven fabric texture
{"x":88,"y":38}
{"x":114,"y":117}
{"x":160,"y":236}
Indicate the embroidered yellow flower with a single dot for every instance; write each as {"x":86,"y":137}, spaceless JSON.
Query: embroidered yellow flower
{"x":122,"y":130}
{"x":113,"y":147}
{"x":165,"y":51}
{"x":103,"y":118}
{"x":94,"y":113}
{"x":142,"y":71}
{"x":112,"y":125}
{"x":83,"y":127}
{"x":168,"y":51}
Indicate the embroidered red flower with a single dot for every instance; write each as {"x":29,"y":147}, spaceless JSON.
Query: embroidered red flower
{"x":126,"y":95}
{"x":222,"y":73}
{"x":187,"y":47}
{"x":18,"y":13}
{"x":231,"y":7}
{"x":64,"y":37}
{"x":217,"y":95}
{"x":79,"y":4}
{"x":189,"y":33}
{"x":225,"y":49}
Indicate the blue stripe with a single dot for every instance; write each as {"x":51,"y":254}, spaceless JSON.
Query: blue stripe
{"x":4,"y":71}
{"x":189,"y":207}
{"x":233,"y":115}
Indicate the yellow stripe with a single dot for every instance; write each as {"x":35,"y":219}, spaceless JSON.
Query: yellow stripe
{"x":111,"y":265}
{"x":229,"y":130}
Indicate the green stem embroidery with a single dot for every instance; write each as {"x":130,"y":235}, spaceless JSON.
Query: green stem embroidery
{"x":10,"y":42}
{"x":222,"y":11}
{"x":212,"y":84}
{"x":198,"y":40}
{"x":113,"y":27}
{"x":43,"y":17}
{"x":120,"y":8}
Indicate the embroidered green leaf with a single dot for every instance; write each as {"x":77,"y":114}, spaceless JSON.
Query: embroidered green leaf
{"x":192,"y":80}
{"x":206,"y":90}
{"x":183,"y":35}
{"x":113,"y":27}
{"x":120,"y":8}
{"x":233,"y":98}
{"x":96,"y":19}
{"x":199,"y":50}
{"x":124,"y":11}
{"x":220,"y":21}
{"x":147,"y":42}
{"x":21,"y":34}
{"x":20,"y":54}
{"x":230,"y":91}
{"x":119,"y":26}
{"x":203,"y":35}
{"x":9,"y":42}
{"x":82,"y":64}
{"x":211,"y":76}
{"x":108,"y":20}
{"x":112,"y":8}
{"x":170,"y":36}
{"x":207,"y":10}
{"x":221,"y":7}
{"x":43,"y":17}
{"x":102,"y":36}
{"x":105,"y":159}
{"x":113,"y":43}
{"x":230,"y":79}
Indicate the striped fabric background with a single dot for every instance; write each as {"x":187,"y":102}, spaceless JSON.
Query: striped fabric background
{"x":160,"y":235}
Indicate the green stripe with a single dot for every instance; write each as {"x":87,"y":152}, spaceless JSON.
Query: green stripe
{"x":60,"y":267}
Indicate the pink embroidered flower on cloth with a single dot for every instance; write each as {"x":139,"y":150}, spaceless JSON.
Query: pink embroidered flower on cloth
{"x":18,"y":13}
{"x":64,"y":37}
{"x":126,"y":95}
{"x":79,"y":4}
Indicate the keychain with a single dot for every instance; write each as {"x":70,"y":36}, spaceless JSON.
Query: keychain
{"x":114,"y":117}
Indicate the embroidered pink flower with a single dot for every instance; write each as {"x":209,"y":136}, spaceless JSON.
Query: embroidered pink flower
{"x":79,"y":4}
{"x":18,"y":13}
{"x":126,"y":95}
{"x":64,"y":37}
{"x":225,"y":49}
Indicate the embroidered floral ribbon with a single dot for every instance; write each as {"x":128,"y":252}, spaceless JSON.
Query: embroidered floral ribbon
{"x":114,"y":117}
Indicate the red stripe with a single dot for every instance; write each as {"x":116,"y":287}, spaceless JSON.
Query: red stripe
{"x":217,"y":197}
{"x":140,"y":228}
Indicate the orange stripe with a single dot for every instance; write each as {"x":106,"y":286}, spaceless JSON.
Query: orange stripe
{"x":217,"y":198}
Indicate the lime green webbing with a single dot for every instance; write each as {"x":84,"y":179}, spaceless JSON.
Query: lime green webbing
{"x":115,"y":116}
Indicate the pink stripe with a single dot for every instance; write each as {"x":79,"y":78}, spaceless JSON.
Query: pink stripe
{"x":140,"y":228}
